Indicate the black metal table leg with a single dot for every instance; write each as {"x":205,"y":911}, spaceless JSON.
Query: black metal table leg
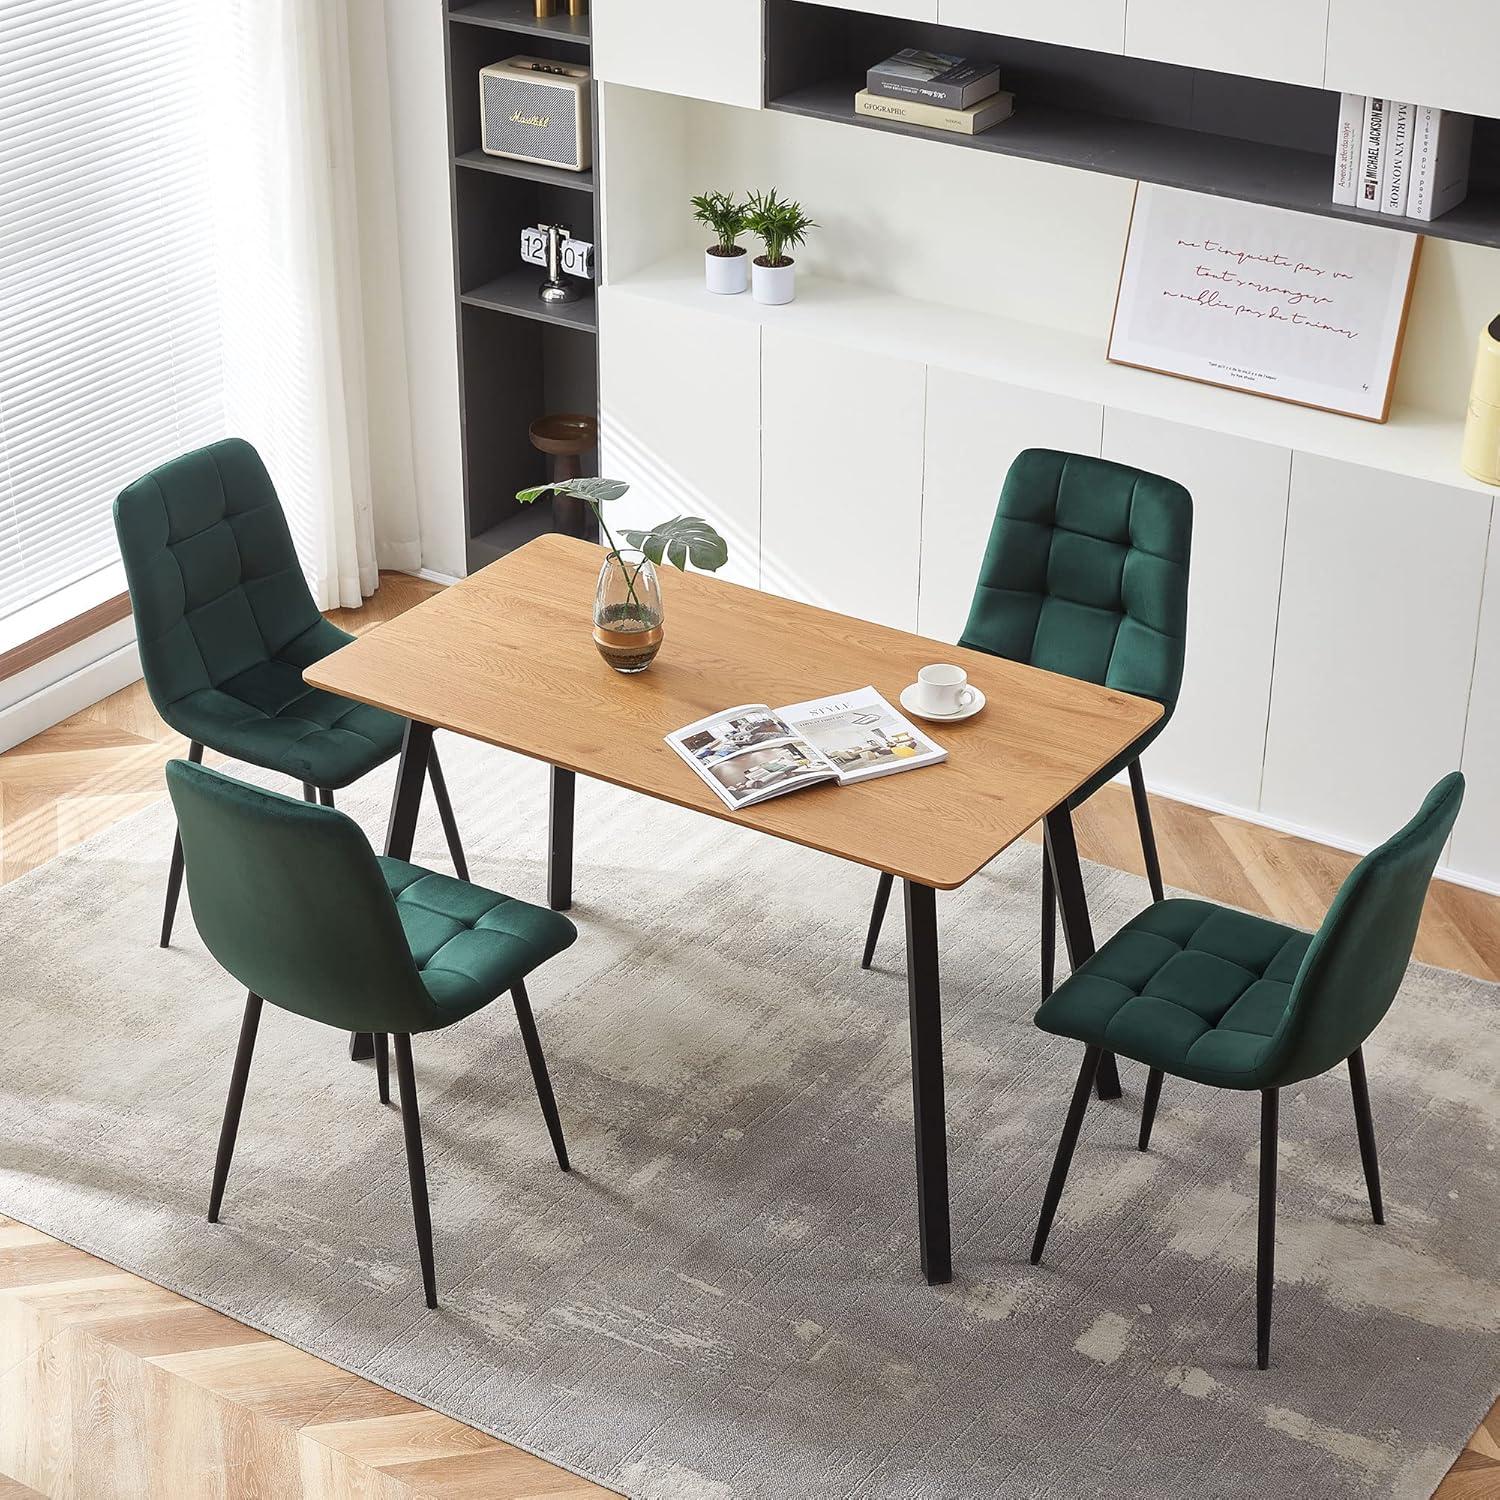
{"x":560,"y":840}
{"x":924,"y":1004}
{"x":1078,"y":934}
{"x":401,"y":831}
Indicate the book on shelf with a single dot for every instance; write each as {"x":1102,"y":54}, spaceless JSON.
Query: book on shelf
{"x":1347,"y":158}
{"x":1395,"y":158}
{"x":1439,"y":171}
{"x":933,"y":78}
{"x":752,"y":753}
{"x":974,"y":120}
{"x":1372,"y":155}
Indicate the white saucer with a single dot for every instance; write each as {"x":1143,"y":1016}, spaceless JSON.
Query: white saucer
{"x":909,"y":703}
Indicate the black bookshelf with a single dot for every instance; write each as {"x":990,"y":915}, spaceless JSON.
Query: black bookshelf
{"x":1215,"y":133}
{"x":519,"y":358}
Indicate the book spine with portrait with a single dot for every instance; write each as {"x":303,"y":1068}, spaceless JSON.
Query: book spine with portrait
{"x":1372,"y":138}
{"x":1346,"y":155}
{"x":1441,"y":143}
{"x":972,"y":121}
{"x":1395,"y":173}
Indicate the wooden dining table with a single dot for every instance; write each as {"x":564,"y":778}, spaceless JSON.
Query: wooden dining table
{"x":507,"y":657}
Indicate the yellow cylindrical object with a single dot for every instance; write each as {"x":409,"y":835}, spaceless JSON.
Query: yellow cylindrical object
{"x":543,"y":9}
{"x":578,"y":7}
{"x":1481,"y":456}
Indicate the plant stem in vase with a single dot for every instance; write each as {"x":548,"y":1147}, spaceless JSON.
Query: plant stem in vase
{"x":628,"y":611}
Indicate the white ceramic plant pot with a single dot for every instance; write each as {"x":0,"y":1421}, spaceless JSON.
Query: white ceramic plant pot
{"x":727,"y":274}
{"x":774,"y":285}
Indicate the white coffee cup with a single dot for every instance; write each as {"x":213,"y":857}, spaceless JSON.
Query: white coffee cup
{"x":943,"y":689}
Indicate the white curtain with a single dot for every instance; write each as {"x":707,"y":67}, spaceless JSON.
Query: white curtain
{"x":278,"y":106}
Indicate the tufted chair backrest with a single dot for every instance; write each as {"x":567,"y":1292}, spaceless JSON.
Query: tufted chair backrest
{"x":1086,"y":574}
{"x":214,"y":580}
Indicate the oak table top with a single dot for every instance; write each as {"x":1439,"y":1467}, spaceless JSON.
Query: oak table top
{"x":506,"y":656}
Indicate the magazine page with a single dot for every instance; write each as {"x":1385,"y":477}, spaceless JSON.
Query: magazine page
{"x":862,"y":735}
{"x":750,"y":753}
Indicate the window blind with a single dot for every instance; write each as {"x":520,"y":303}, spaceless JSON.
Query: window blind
{"x":110,"y":344}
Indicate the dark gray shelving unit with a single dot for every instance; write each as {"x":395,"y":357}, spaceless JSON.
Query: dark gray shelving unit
{"x":1212,"y":133}
{"x":518,"y":357}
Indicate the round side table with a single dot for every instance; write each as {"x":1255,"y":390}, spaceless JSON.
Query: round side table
{"x":565,"y":437}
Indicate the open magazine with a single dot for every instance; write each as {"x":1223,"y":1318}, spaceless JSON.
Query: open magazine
{"x":751,"y":753}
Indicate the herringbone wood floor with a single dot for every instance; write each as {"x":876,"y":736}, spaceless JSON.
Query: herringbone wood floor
{"x":110,"y":1386}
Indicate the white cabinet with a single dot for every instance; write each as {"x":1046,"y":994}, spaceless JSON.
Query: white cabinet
{"x":1441,"y":54}
{"x":679,"y":398}
{"x":1096,"y":24}
{"x":681,"y":47}
{"x":1375,"y":646}
{"x":975,"y":428}
{"x":841,"y":476}
{"x":1476,"y":839}
{"x":1279,"y":39}
{"x":1214,"y":747}
{"x":908,"y":10}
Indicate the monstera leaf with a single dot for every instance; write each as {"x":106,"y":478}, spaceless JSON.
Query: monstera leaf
{"x":595,"y":491}
{"x":682,"y":540}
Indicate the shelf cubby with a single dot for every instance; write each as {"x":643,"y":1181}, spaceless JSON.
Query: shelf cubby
{"x":519,"y":358}
{"x":519,"y":16}
{"x":1214,"y":133}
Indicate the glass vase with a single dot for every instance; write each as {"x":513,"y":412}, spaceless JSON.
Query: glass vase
{"x":628,"y":611}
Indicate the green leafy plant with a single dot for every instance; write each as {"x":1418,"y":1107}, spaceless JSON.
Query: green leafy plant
{"x":721,"y":214}
{"x":680,"y":541}
{"x":779,"y":223}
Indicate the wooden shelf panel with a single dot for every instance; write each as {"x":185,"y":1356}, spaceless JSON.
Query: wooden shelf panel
{"x":1223,"y":166}
{"x":520,"y":16}
{"x":501,"y":166}
{"x":516,"y":292}
{"x":1421,"y":444}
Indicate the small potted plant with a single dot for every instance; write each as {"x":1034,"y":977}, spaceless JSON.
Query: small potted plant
{"x":781,"y":226}
{"x":628,"y":603}
{"x":724,"y":263}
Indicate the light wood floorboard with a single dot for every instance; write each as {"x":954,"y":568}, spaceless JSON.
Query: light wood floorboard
{"x":113,"y":1387}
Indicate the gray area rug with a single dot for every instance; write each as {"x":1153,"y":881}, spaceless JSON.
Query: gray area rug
{"x":722,"y":1300}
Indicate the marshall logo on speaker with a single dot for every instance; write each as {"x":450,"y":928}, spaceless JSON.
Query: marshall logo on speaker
{"x":536,"y":110}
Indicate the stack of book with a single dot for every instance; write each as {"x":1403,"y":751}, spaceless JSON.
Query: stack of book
{"x":1409,"y":160}
{"x":937,"y":90}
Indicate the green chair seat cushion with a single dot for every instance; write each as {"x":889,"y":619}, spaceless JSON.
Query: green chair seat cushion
{"x":470,"y":944}
{"x":1195,"y":989}
{"x":267,"y":715}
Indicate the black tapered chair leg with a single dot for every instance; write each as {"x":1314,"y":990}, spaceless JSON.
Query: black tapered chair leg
{"x":1049,"y":926}
{"x":877,"y":916}
{"x":174,"y":869}
{"x":416,"y":1167}
{"x":1148,"y":1108}
{"x":249,"y":1025}
{"x":383,"y":1066}
{"x":1265,"y":1246}
{"x":309,"y":792}
{"x":539,"y":1073}
{"x":1148,"y":833}
{"x":1365,"y":1126}
{"x":1064,"y":1158}
{"x":445,"y":812}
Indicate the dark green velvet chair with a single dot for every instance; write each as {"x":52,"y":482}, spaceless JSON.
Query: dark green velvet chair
{"x":289,"y":897}
{"x":226,"y":624}
{"x":1086,"y":574}
{"x":1238,"y":1002}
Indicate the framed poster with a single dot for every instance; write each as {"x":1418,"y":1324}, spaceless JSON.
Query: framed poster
{"x":1265,"y":300}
